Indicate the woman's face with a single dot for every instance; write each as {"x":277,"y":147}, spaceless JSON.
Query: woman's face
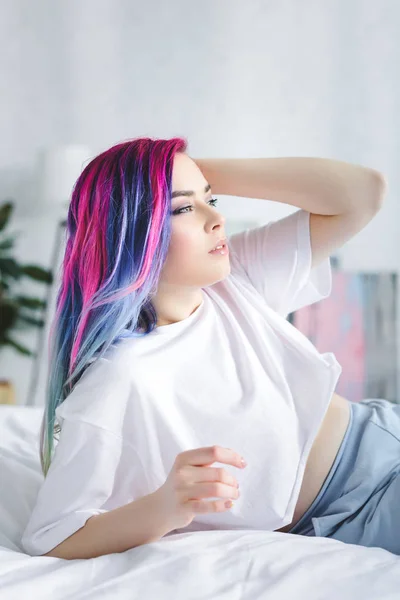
{"x":194,"y":231}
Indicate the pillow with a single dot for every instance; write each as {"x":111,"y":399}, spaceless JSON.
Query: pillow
{"x":20,"y":471}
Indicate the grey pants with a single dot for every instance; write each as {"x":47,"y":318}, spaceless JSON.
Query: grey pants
{"x":359,"y":502}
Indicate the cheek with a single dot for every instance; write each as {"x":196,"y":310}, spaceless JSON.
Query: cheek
{"x":183,"y":258}
{"x":182,"y":245}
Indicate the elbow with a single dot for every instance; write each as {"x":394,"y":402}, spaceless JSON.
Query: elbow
{"x":56,"y":554}
{"x":365,"y":192}
{"x":68,"y":551}
{"x":368,"y":194}
{"x":378,"y":188}
{"x":62,"y":550}
{"x":30,"y":547}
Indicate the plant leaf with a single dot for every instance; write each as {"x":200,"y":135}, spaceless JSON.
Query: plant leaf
{"x":17,"y":346}
{"x":10,"y":267}
{"x":29,"y":302}
{"x":31,"y":320}
{"x":6,"y":243}
{"x":37,"y":273}
{"x":8,"y":314}
{"x":5,"y":213}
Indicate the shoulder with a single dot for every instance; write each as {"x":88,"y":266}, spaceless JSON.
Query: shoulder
{"x":101,"y":395}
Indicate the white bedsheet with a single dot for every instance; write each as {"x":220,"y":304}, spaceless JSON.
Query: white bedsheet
{"x":236,"y":565}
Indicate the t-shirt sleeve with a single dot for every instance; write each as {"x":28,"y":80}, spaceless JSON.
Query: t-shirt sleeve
{"x":276,"y":259}
{"x":93,"y":469}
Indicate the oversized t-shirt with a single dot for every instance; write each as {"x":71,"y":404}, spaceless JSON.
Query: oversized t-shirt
{"x":235,"y":373}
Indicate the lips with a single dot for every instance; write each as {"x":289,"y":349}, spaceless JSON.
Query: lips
{"x":221,"y":242}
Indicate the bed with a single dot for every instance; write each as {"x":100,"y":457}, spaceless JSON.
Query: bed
{"x":218,"y":565}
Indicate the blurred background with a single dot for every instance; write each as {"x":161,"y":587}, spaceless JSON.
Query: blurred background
{"x":237,"y":79}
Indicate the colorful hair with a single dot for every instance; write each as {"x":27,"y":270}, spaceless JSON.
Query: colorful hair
{"x":118,"y":233}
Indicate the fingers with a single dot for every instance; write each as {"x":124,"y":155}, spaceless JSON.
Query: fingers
{"x":215,"y":489}
{"x":208,"y":455}
{"x":199,"y":474}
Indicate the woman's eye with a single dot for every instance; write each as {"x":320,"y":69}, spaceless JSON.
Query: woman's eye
{"x":213,"y":201}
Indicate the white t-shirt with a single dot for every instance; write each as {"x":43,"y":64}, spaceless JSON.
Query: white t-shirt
{"x":234,"y":373}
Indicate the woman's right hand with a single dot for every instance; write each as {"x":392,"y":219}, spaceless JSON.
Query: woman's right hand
{"x":191,"y":479}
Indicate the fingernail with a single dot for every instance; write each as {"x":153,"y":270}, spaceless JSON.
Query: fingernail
{"x":244,"y":463}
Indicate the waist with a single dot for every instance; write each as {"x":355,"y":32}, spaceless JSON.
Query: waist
{"x":322,"y":455}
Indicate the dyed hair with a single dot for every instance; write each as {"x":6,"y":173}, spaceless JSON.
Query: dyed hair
{"x":118,"y":234}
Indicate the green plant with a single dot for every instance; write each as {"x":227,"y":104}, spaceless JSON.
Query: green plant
{"x":17,"y":311}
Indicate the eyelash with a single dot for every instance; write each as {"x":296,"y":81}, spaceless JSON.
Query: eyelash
{"x":178,"y":211}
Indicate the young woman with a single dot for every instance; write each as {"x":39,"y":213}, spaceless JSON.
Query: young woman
{"x":170,"y":352}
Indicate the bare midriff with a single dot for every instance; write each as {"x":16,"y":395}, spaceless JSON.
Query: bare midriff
{"x":322,"y":455}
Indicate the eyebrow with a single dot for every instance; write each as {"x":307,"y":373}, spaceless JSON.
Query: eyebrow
{"x":189,"y":192}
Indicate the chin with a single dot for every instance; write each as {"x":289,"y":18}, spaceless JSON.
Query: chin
{"x":222,"y":276}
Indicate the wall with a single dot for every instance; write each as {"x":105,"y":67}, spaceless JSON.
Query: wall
{"x":237,"y":79}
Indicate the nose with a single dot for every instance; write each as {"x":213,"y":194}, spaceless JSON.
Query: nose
{"x":220,"y":221}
